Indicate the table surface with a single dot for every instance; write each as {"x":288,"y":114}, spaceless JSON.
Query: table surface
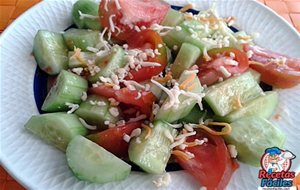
{"x":11,"y":9}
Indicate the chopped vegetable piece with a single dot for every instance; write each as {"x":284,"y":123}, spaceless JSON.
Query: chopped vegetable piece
{"x":90,"y":162}
{"x":57,"y":129}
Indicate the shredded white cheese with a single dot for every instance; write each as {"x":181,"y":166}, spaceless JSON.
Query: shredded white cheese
{"x":118,"y":4}
{"x":72,"y":107}
{"x":78,"y":70}
{"x":232,"y":150}
{"x":163,"y":181}
{"x":182,"y":136}
{"x":136,"y":132}
{"x":83,"y":16}
{"x":138,"y":118}
{"x":114,"y":111}
{"x":126,"y":138}
{"x":90,"y":127}
{"x":84,"y":96}
{"x":111,"y":23}
{"x":224,"y":71}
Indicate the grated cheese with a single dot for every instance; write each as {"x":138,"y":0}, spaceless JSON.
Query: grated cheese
{"x":111,"y":23}
{"x":136,"y":132}
{"x":232,"y":150}
{"x":138,"y":140}
{"x":92,"y":49}
{"x":249,"y":54}
{"x":72,"y":107}
{"x":169,"y":136}
{"x":118,"y":4}
{"x":183,"y":136}
{"x":224,"y":71}
{"x":139,"y":95}
{"x":126,"y":138}
{"x":138,"y":118}
{"x":90,"y":127}
{"x":78,"y":70}
{"x":231,"y":62}
{"x":83,"y":96}
{"x":105,"y":5}
{"x":114,"y":111}
{"x":177,"y":143}
{"x":162,"y":181}
{"x":83,"y":16}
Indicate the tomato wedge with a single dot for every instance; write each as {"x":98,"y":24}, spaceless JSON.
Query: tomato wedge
{"x":277,"y":70}
{"x":131,"y":13}
{"x":112,"y":139}
{"x":209,"y":71}
{"x":126,"y":96}
{"x":144,"y":40}
{"x":212,"y":165}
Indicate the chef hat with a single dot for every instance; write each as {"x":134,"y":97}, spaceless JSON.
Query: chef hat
{"x":273,"y":151}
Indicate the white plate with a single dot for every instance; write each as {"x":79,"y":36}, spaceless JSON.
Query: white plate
{"x":40,"y":166}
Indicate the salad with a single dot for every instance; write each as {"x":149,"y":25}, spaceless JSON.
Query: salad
{"x":140,"y":83}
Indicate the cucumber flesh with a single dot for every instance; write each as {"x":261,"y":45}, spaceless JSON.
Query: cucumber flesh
{"x":172,"y":18}
{"x":195,"y":115}
{"x":88,"y":7}
{"x":251,"y":136}
{"x":50,"y":52}
{"x":57,"y":129}
{"x":91,"y":162}
{"x":96,"y":114}
{"x":81,"y":38}
{"x":81,"y":60}
{"x":184,"y":108}
{"x":108,"y":64}
{"x":68,"y":88}
{"x":255,"y":74}
{"x":263,"y":106}
{"x":153,"y":153}
{"x":197,"y":27}
{"x":186,"y":57}
{"x":224,"y":97}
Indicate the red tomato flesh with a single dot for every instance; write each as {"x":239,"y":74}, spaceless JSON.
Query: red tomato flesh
{"x":212,"y":165}
{"x":126,"y":96}
{"x":131,"y":13}
{"x":112,"y":139}
{"x":209,"y":71}
{"x":280,"y":75}
{"x":148,"y":39}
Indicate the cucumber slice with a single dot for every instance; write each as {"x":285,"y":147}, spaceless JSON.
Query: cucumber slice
{"x":89,"y":8}
{"x":108,"y":64}
{"x":81,"y":38}
{"x":91,"y":162}
{"x":153,"y":153}
{"x":251,"y":136}
{"x":68,"y":88}
{"x":195,"y":115}
{"x":184,"y":108}
{"x":186,"y":57}
{"x":50,"y":52}
{"x":96,"y":114}
{"x":176,"y":38}
{"x":172,"y":18}
{"x":262,"y":106}
{"x":255,"y":74}
{"x":57,"y":129}
{"x":81,"y":60}
{"x":200,"y":29}
{"x":224,"y":97}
